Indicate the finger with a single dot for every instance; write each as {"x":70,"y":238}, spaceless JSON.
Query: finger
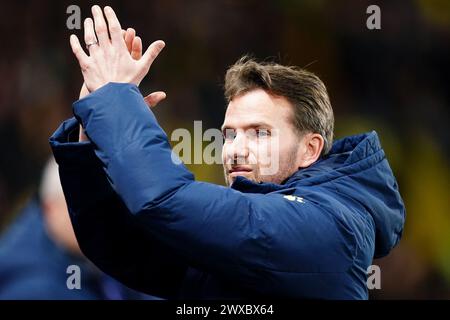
{"x":123,"y":34}
{"x":78,"y":51}
{"x":154,"y":98}
{"x":152,"y":52}
{"x":114,"y":27}
{"x":129,"y":37}
{"x":136,"y":48}
{"x":89,"y":35}
{"x":100,"y":26}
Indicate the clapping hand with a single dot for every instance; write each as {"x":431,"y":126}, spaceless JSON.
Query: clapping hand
{"x":118,"y":59}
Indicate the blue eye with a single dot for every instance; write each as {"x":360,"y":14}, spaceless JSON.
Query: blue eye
{"x":262,"y":133}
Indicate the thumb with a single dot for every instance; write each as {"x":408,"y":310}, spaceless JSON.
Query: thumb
{"x":154,"y":98}
{"x":152,"y":52}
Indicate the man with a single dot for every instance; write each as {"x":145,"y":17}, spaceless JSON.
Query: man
{"x":39,"y":247}
{"x":304,"y":226}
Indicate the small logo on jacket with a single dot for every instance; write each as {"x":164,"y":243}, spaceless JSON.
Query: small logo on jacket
{"x":294,"y":198}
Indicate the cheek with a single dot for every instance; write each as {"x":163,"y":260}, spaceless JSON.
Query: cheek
{"x":282,"y":149}
{"x":289,"y":149}
{"x":263,"y":151}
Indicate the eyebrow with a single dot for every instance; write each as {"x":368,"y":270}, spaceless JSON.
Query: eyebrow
{"x":249,"y":125}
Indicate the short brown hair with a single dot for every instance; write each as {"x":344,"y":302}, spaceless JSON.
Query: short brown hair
{"x":303,"y":89}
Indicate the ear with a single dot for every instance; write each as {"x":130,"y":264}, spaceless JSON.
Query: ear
{"x":312,"y":145}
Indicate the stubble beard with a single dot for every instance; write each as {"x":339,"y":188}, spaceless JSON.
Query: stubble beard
{"x":286,"y":168}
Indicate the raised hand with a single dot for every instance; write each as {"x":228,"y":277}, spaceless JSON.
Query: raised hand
{"x":134,"y":47}
{"x":109,"y":60}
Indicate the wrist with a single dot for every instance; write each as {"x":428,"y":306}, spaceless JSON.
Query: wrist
{"x":82,"y":136}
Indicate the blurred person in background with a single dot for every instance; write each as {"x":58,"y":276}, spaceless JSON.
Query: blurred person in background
{"x":38,"y":248}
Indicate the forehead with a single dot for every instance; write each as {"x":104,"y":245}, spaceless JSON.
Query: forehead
{"x":257,"y":107}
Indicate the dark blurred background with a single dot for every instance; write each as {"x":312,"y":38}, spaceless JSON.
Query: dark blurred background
{"x":394,"y":80}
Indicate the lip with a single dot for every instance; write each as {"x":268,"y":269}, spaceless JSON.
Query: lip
{"x":239,"y":170}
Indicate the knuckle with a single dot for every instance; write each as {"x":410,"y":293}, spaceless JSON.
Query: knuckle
{"x":98,"y":57}
{"x":100,"y":28}
{"x":87,"y":65}
{"x":110,"y":52}
{"x":115,"y":28}
{"x":84,"y":65}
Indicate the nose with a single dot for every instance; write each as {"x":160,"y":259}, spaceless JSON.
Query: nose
{"x":238,"y":151}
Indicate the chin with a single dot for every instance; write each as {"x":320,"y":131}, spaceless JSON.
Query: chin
{"x":231,"y":179}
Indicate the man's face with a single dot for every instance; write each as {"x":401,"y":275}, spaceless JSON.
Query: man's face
{"x":261,"y":143}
